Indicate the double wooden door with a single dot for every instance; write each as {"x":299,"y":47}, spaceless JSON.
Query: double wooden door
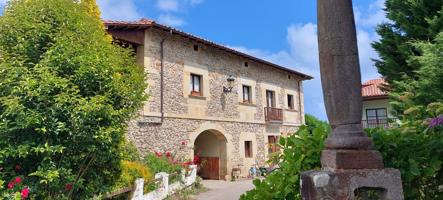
{"x":210,"y":168}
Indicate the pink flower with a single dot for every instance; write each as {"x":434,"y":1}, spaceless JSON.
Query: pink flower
{"x":68,"y":186}
{"x":183,"y":143}
{"x":18,"y":180}
{"x":158,"y":154}
{"x":11,"y":185}
{"x":25,"y":193}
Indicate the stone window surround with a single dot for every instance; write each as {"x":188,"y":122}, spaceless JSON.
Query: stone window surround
{"x":197,"y":69}
{"x":275,"y":89}
{"x":295,"y":101}
{"x":252,"y":84}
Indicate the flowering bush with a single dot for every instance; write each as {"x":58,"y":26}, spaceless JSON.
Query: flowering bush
{"x":16,"y":190}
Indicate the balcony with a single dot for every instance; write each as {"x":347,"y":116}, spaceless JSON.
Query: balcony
{"x":273,"y":114}
{"x":382,"y":123}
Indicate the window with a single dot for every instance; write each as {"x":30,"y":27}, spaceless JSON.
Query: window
{"x":247,"y":94}
{"x":195,"y":47}
{"x":291,"y":101}
{"x":246,"y":64}
{"x":273,"y":144}
{"x":376,"y":114}
{"x":195,"y":85}
{"x":376,"y":117}
{"x":270,"y":98}
{"x":248,"y":149}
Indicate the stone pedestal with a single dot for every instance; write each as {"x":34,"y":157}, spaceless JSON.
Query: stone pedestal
{"x":349,"y":160}
{"x":342,"y":184}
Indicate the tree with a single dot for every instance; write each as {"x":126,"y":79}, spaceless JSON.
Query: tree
{"x":65,"y":94}
{"x":411,"y":21}
{"x":92,"y":8}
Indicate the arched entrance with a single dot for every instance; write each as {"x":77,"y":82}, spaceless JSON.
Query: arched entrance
{"x":211,"y":146}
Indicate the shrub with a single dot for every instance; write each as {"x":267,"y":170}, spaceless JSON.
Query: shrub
{"x":161,"y":163}
{"x":130,"y":172}
{"x":300,"y":152}
{"x":65,"y":94}
{"x":130,"y":152}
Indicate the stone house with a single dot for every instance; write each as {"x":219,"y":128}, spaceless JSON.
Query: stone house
{"x":207,"y":99}
{"x":377,"y":112}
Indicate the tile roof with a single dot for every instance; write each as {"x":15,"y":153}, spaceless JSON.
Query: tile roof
{"x":372,"y":89}
{"x":146,"y":23}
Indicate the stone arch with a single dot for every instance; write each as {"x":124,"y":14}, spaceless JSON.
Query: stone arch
{"x":217,"y":143}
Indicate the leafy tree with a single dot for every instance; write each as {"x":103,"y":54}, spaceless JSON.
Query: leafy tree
{"x":65,"y":94}
{"x":91,"y":8}
{"x":410,"y":21}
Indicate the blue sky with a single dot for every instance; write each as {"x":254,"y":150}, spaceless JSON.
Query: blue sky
{"x":281,"y":31}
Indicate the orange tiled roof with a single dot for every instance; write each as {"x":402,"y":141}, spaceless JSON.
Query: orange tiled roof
{"x":146,"y":23}
{"x":372,"y":89}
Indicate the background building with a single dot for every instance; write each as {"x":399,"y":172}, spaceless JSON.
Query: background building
{"x":376,"y":108}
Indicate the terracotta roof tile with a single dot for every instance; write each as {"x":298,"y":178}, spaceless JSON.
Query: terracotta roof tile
{"x":145,"y":23}
{"x":372,"y":89}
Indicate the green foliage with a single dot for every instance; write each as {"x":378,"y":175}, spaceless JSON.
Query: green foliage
{"x":160,"y":163}
{"x":415,"y":148}
{"x":418,"y":156}
{"x":132,"y":171}
{"x":301,"y":152}
{"x":65,"y":95}
{"x":130,"y":152}
{"x":410,"y":21}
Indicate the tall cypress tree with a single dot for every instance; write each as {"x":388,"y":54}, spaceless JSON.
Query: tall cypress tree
{"x":410,"y":21}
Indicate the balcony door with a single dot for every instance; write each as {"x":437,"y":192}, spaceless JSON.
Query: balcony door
{"x":270,"y":99}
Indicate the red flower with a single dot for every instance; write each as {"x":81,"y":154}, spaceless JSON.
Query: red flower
{"x":158,"y":154}
{"x":183,"y":143}
{"x":68,"y":186}
{"x":11,"y":185}
{"x":18,"y":180}
{"x":25,"y":193}
{"x":168,"y":154}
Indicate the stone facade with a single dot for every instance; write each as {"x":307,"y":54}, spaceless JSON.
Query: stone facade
{"x":187,"y":116}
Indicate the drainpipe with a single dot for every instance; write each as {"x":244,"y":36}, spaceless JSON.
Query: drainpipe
{"x":162,"y":66}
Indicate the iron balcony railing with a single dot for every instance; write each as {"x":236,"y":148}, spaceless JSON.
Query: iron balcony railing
{"x":273,"y":114}
{"x":383,"y":123}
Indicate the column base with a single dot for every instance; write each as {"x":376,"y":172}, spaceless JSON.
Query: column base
{"x":351,"y":159}
{"x":342,"y":184}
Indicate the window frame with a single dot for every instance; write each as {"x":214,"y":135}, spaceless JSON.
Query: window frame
{"x":377,"y":117}
{"x":193,"y":92}
{"x":248,"y":149}
{"x":290,"y":104}
{"x":249,"y":92}
{"x":273,"y":100}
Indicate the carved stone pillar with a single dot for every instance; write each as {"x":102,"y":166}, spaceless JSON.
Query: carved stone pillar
{"x":349,"y":161}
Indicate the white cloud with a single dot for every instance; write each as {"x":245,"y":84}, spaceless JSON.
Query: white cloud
{"x":118,"y":9}
{"x":168,"y":5}
{"x":170,"y":20}
{"x":371,"y":16}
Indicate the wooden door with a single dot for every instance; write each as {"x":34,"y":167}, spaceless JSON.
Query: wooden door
{"x":210,"y":168}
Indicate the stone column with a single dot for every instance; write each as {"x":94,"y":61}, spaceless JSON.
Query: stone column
{"x":349,"y":161}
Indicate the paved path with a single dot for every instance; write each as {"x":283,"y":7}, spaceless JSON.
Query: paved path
{"x":224,"y":190}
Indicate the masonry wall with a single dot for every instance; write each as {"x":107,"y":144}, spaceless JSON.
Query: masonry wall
{"x":187,"y":116}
